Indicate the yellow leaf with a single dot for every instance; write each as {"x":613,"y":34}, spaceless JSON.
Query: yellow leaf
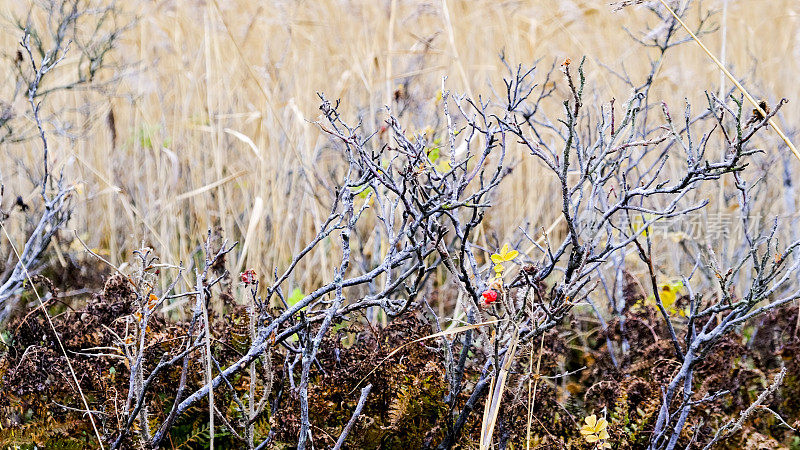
{"x":668,"y":296}
{"x":497,"y":259}
{"x":603,"y":434}
{"x":510,"y":255}
{"x":639,"y":221}
{"x":592,"y":438}
{"x":591,"y":421}
{"x":499,"y":268}
{"x":601,"y":425}
{"x":504,"y":250}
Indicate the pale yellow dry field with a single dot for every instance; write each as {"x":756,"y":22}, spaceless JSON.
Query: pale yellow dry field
{"x":215,"y":117}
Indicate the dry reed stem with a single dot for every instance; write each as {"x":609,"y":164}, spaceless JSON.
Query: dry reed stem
{"x":495,"y":398}
{"x":734,"y":81}
{"x":532,"y":395}
{"x":424,"y":338}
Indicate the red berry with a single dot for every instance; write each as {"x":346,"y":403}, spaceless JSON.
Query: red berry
{"x":248,"y":277}
{"x":489,"y":296}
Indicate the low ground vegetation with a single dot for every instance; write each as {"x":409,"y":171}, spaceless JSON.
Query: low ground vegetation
{"x":616,"y":326}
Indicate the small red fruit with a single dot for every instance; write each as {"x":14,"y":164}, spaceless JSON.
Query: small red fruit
{"x":248,"y":277}
{"x":489,"y":296}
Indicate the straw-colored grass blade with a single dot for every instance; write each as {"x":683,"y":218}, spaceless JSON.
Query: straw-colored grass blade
{"x":424,"y":338}
{"x":255,"y":219}
{"x":493,"y":402}
{"x":733,"y":80}
{"x":208,"y":187}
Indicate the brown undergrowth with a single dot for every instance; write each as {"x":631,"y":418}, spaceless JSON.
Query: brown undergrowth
{"x":407,"y":407}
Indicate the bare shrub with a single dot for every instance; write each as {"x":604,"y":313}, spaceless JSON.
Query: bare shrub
{"x":656,"y":361}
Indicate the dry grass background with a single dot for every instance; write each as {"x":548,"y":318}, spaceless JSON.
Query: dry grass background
{"x":214,"y":122}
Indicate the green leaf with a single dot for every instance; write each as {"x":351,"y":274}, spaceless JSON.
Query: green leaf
{"x":295,"y":297}
{"x":433,"y":154}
